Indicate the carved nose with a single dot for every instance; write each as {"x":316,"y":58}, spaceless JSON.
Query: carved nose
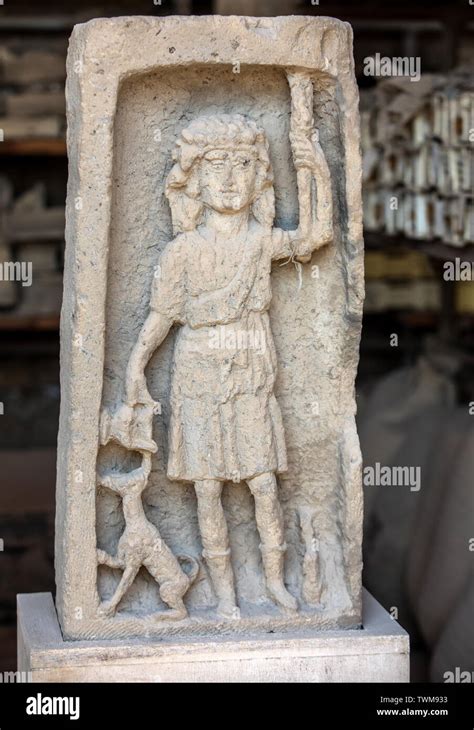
{"x":229,"y":181}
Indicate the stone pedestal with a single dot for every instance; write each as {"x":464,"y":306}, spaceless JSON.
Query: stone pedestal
{"x":379,"y":652}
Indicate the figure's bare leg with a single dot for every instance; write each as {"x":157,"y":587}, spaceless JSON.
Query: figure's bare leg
{"x":108,"y":608}
{"x":269,"y":518}
{"x":215,"y":541}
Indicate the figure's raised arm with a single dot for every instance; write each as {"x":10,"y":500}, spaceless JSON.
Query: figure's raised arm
{"x":315,"y":227}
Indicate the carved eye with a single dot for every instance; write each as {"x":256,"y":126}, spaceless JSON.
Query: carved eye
{"x":245,"y":163}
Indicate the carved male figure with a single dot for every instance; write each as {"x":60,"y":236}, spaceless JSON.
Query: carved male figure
{"x":226,"y":424}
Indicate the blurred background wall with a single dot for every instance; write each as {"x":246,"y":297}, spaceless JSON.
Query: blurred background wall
{"x":415,"y":386}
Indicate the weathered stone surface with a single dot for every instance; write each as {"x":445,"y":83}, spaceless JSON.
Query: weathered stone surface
{"x":134,"y":86}
{"x":377,"y":653}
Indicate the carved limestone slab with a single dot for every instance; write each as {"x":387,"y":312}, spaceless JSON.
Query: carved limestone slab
{"x":209,"y":471}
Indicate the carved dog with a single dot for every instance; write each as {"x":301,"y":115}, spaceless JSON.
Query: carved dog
{"x":142,"y":544}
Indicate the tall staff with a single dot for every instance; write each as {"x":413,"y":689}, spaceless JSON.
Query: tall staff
{"x":310,"y":162}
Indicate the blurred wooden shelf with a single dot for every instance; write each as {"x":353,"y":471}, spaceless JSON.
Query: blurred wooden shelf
{"x":415,"y":319}
{"x":410,"y":318}
{"x":445,"y":252}
{"x":37,"y":24}
{"x":33,"y":148}
{"x":51,"y":235}
{"x":34,"y":323}
{"x":434,"y":249}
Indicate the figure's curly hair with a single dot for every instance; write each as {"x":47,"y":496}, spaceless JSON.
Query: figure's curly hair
{"x":219,"y":131}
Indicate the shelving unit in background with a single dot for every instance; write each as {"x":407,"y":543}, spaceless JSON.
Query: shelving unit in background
{"x":439,"y":253}
{"x":434,"y":249}
{"x":33,"y":148}
{"x":29,"y":324}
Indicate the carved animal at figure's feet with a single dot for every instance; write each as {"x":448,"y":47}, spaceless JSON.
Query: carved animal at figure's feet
{"x":142,"y":545}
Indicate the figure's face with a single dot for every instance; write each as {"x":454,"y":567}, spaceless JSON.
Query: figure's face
{"x":227,"y":179}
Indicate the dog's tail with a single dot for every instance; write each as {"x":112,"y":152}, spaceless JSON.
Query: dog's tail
{"x":195,"y":566}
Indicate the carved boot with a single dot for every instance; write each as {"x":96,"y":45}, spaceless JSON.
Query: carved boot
{"x":273,"y":557}
{"x":222,"y":577}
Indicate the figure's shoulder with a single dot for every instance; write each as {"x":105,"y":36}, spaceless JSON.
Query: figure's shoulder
{"x":260,"y":232}
{"x":178,"y":248}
